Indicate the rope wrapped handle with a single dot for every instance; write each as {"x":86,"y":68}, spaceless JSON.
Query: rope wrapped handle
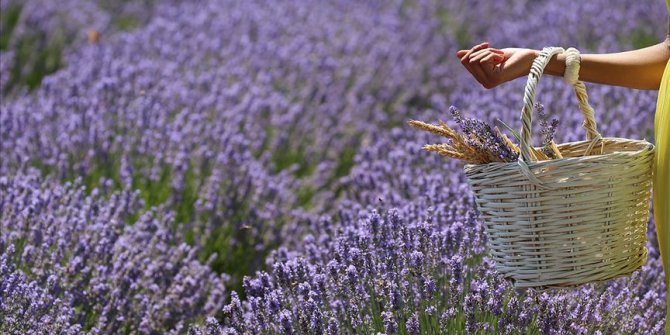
{"x":571,"y":76}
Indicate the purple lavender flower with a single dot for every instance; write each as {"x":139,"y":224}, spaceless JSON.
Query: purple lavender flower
{"x":88,"y":269}
{"x":413,"y":324}
{"x":548,"y":130}
{"x":485,"y":138}
{"x":390,"y":324}
{"x":224,"y":139}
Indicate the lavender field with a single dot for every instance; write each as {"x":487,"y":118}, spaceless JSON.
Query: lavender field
{"x":245,"y":167}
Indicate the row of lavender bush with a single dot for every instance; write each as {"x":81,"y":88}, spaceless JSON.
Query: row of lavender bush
{"x":36,"y":36}
{"x":234,"y":137}
{"x":422,"y":269}
{"x":71,"y":263}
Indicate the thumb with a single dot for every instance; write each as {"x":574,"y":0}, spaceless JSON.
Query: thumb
{"x":461,"y":53}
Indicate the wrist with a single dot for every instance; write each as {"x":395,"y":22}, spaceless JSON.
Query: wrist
{"x":528,"y":58}
{"x":556,"y":66}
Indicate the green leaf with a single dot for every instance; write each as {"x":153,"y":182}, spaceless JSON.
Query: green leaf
{"x":511,"y":130}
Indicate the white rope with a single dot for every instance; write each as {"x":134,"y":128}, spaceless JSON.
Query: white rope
{"x":572,"y":62}
{"x":571,"y":76}
{"x":536,"y":70}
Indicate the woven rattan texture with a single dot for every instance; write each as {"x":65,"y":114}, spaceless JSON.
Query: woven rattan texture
{"x":569,"y":221}
{"x":590,"y":226}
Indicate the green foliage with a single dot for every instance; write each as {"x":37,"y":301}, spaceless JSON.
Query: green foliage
{"x":34,"y":60}
{"x":192,"y":183}
{"x":154,"y":192}
{"x":104,"y":167}
{"x":8,"y":21}
{"x":36,"y":55}
{"x":305,"y":195}
{"x":233,"y":246}
{"x":126,"y":23}
{"x":346,"y":161}
{"x":283,"y":159}
{"x":450,"y":23}
{"x":641,"y":38}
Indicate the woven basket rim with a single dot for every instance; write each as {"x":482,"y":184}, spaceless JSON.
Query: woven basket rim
{"x":645,"y":147}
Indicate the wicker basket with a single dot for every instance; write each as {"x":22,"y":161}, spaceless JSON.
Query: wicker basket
{"x":569,"y":221}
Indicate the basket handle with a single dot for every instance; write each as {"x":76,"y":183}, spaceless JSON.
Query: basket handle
{"x":536,"y":71}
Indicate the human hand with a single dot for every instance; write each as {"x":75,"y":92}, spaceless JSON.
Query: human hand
{"x":492,"y":67}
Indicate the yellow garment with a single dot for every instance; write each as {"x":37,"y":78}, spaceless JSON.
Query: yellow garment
{"x":662,"y":178}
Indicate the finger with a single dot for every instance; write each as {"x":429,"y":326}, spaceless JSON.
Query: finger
{"x":477,"y":53}
{"x":474,"y":49}
{"x":462,"y":52}
{"x":477,"y":56}
{"x":471,"y":70}
{"x":480,"y":74}
{"x":489,"y":68}
{"x":475,"y":69}
{"x":477,"y":72}
{"x":492,"y":58}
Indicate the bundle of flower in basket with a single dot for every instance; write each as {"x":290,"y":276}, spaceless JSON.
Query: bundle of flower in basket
{"x":559,"y":215}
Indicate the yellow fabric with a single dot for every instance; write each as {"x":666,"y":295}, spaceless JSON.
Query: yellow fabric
{"x":662,"y":178}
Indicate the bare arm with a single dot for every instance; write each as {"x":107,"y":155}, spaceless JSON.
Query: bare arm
{"x":641,"y":69}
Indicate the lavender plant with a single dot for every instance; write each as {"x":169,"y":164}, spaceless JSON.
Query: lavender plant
{"x":70,"y":263}
{"x":217,"y":133}
{"x":235,"y":165}
{"x":417,"y":271}
{"x":36,"y":36}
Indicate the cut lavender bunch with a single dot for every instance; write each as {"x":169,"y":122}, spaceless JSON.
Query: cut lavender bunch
{"x":490,"y":143}
{"x":478,"y":143}
{"x":482,"y":135}
{"x":549,"y":131}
